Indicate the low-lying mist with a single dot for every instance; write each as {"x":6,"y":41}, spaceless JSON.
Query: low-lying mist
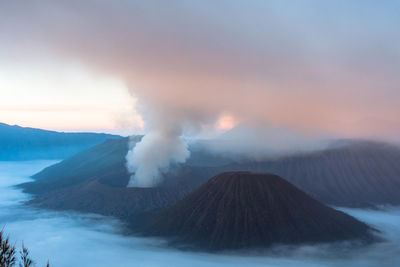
{"x":72,"y":239}
{"x":263,"y":142}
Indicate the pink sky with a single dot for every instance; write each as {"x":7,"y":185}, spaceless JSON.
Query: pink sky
{"x":317,"y":68}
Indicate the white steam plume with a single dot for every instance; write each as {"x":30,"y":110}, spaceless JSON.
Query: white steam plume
{"x":153,"y":155}
{"x":161,"y":146}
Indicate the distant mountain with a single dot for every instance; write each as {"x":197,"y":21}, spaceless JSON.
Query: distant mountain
{"x":350,"y":174}
{"x":21,"y":143}
{"x":243,"y":210}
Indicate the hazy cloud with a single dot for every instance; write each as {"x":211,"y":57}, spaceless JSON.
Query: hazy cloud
{"x":311,"y":66}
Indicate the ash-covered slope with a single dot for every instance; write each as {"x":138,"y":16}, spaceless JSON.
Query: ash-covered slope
{"x":95,"y":181}
{"x":107,"y":194}
{"x":23,"y":143}
{"x":243,"y":209}
{"x":106,"y":163}
{"x":357,"y":174}
{"x":102,"y":162}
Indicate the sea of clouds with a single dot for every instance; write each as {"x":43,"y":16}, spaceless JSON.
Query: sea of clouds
{"x":72,"y":239}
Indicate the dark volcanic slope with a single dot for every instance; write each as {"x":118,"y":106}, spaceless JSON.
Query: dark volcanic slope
{"x":21,"y":143}
{"x":128,"y":204}
{"x":95,"y":181}
{"x":107,"y":194}
{"x":103,"y":162}
{"x":242,"y":209}
{"x":359,"y":174}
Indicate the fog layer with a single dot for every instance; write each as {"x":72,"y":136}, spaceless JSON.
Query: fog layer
{"x":71,"y":239}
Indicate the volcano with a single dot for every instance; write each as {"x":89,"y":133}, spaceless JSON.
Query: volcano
{"x":244,"y":209}
{"x":355,"y":174}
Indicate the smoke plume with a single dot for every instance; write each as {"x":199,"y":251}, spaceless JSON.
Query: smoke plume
{"x":161,"y":146}
{"x":287,"y":65}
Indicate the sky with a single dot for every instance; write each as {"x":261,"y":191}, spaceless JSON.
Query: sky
{"x":67,"y":98}
{"x":315,"y":67}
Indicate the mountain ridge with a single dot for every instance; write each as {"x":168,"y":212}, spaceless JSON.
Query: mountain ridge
{"x":356,"y":175}
{"x":26,"y":143}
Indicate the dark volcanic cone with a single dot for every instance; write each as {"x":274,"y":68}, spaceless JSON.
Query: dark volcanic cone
{"x":243,"y":209}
